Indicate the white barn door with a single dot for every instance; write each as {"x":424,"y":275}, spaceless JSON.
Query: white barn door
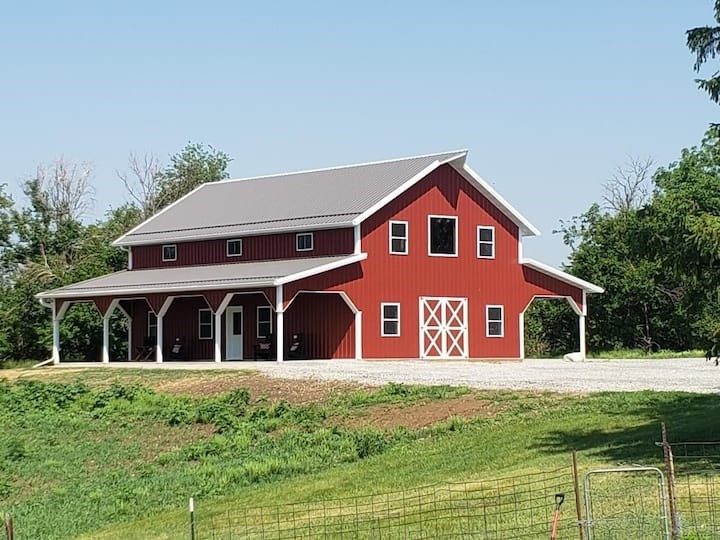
{"x":443,"y":327}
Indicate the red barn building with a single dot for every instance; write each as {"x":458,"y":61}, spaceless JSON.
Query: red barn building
{"x":406,"y":258}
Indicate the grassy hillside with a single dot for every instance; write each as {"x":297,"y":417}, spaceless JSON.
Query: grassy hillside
{"x":115,"y":454}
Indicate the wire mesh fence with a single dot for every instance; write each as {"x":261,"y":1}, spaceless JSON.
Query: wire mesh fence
{"x":516,"y":507}
{"x":696,"y":485}
{"x":629,"y":502}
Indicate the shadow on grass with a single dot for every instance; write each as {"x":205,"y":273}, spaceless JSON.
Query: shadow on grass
{"x":624,"y":428}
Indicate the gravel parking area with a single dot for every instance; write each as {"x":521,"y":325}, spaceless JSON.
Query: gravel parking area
{"x":690,"y":375}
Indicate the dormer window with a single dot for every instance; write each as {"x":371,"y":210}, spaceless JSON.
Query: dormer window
{"x":304,"y":242}
{"x":234,"y":247}
{"x":442,"y":236}
{"x":169,"y":253}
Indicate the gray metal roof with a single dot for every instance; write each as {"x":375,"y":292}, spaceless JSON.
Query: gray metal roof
{"x":321,"y":198}
{"x":205,"y":277}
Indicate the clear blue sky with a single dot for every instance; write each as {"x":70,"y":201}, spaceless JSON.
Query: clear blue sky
{"x":548,"y":96}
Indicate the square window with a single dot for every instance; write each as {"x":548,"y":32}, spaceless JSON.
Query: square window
{"x":398,"y":237}
{"x":205,"y":324}
{"x":304,"y":242}
{"x":486,"y":242}
{"x":390,"y":319}
{"x":234,"y":247}
{"x":264,"y":321}
{"x":494,"y":316}
{"x":442,"y":236}
{"x":169,"y":253}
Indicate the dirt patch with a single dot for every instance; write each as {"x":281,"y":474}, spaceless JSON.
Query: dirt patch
{"x":420,"y":415}
{"x":291,"y":390}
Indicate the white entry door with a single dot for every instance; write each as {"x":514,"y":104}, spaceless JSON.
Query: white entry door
{"x":234,"y":333}
{"x":443,"y":327}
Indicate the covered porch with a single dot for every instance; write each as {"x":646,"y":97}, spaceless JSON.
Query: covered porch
{"x":217,"y":313}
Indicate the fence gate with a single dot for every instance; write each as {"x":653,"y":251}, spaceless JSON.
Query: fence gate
{"x":626,"y":502}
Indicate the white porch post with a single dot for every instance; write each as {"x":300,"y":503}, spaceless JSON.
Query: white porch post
{"x":106,"y":331}
{"x":358,"y":335}
{"x":521,"y":328}
{"x":218,"y":325}
{"x":581,"y":323}
{"x":279,"y":330}
{"x":56,"y":335}
{"x":160,"y":316}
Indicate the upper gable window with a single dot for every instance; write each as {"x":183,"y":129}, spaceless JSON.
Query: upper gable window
{"x":234,"y":247}
{"x":169,"y":253}
{"x":485,"y":242}
{"x":304,"y":242}
{"x":442,"y":236}
{"x":399,"y":237}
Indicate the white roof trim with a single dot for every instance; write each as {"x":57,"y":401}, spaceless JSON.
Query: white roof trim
{"x":160,"y":289}
{"x":528,"y":228}
{"x":320,"y":269}
{"x":562,"y":276}
{"x":407,"y":185}
{"x":119,"y":241}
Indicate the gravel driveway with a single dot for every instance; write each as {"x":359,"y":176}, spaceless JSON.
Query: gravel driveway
{"x":691,"y":375}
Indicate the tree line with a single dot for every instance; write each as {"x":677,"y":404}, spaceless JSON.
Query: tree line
{"x":46,"y":243}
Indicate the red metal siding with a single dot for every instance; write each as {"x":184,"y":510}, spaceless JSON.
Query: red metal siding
{"x":405,"y":278}
{"x":326,"y":323}
{"x":255,"y":248}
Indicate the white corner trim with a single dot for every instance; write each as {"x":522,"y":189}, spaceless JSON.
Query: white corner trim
{"x":499,"y":201}
{"x":357,"y":239}
{"x":562,"y":276}
{"x":119,"y":241}
{"x":407,"y":185}
{"x":320,"y":269}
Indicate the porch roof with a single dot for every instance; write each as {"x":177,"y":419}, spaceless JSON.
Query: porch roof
{"x":217,"y":276}
{"x":543,"y":268}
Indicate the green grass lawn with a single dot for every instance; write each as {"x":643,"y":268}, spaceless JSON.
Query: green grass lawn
{"x":639,"y":354}
{"x":109,"y":454}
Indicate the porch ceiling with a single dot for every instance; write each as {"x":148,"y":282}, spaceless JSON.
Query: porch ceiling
{"x":218,"y":276}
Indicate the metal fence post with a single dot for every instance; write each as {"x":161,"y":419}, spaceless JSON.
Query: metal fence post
{"x":670,"y":478}
{"x":192,"y":518}
{"x":576,"y":488}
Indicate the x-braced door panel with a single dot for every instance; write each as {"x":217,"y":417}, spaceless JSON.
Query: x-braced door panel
{"x":443,"y":327}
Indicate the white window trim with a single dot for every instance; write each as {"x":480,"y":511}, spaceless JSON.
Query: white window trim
{"x":485,"y":228}
{"x":391,"y":237}
{"x":383,"y":319}
{"x":163,"y":252}
{"x":257,"y":320}
{"x":312,"y":241}
{"x":502,"y":321}
{"x":429,"y":233}
{"x":151,"y":312}
{"x":227,"y":247}
{"x":212,"y":326}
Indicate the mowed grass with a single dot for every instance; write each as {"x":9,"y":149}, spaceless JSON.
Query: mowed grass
{"x":107,"y":454}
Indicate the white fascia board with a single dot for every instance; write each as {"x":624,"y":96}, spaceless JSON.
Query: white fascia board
{"x":120,"y":291}
{"x":407,"y":185}
{"x":525,"y":226}
{"x":320,"y":269}
{"x":120,"y":242}
{"x":179,"y":237}
{"x":562,"y":276}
